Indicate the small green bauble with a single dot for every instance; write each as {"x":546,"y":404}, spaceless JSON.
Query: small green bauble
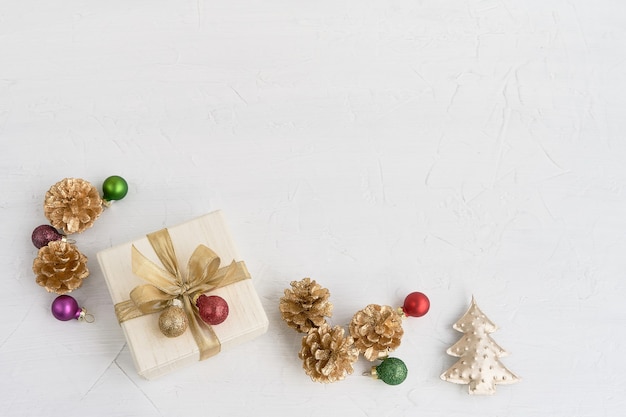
{"x":114,"y":188}
{"x":391,"y":371}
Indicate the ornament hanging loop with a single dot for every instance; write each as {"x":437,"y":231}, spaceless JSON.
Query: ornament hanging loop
{"x":86,"y":317}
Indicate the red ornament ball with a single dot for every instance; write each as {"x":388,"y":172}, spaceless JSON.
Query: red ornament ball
{"x":416,"y":304}
{"x":212,"y":309}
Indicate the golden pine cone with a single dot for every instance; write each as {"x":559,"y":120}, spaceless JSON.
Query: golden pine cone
{"x":305,"y":305}
{"x":377,"y":330}
{"x":60,"y":267}
{"x":327,"y":355}
{"x":72,"y":205}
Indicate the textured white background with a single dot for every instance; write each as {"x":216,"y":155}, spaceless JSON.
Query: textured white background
{"x":455,"y":147}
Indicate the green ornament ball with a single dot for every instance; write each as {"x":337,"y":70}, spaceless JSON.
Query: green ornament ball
{"x":114,"y":188}
{"x":391,"y":371}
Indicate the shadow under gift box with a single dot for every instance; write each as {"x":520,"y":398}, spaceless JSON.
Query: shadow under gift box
{"x":155,"y":354}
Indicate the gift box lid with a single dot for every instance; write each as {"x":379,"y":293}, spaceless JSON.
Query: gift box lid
{"x":155,"y":354}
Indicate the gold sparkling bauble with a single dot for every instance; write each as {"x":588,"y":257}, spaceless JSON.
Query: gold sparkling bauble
{"x":173,"y":321}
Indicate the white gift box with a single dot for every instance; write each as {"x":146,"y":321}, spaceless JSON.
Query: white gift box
{"x":155,"y":354}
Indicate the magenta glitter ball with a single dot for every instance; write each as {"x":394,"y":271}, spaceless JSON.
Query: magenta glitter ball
{"x":212,"y":309}
{"x":416,"y":304}
{"x":44,"y":234}
{"x":65,"y":308}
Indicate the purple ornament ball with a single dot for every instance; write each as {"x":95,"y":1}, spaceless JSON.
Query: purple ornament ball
{"x":44,"y":234}
{"x":65,"y":308}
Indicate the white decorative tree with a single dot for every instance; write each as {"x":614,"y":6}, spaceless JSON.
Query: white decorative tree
{"x":478,"y":354}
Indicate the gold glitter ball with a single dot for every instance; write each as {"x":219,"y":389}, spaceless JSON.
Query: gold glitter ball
{"x":173,"y":321}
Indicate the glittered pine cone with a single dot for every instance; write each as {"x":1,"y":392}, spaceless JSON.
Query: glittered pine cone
{"x":60,"y":267}
{"x":377,"y":330}
{"x":328,"y":356}
{"x":72,"y":205}
{"x":305,"y":305}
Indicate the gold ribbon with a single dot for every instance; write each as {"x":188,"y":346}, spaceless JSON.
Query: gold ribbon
{"x":165,"y":285}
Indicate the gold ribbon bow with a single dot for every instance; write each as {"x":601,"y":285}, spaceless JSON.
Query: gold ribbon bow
{"x":165,"y":285}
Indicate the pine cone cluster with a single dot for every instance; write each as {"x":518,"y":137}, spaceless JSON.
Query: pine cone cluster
{"x":377,"y":330}
{"x":72,"y":205}
{"x":60,"y":267}
{"x":305,"y":305}
{"x":327,"y":355}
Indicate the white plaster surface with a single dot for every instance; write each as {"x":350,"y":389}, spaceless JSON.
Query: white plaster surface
{"x":455,"y":147}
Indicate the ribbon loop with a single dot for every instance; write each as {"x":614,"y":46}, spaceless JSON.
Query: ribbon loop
{"x":149,"y":299}
{"x":164,"y":248}
{"x":204,"y":263}
{"x":145,"y":269}
{"x":164,"y":285}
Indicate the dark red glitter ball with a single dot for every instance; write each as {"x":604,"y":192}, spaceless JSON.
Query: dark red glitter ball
{"x":212,"y":309}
